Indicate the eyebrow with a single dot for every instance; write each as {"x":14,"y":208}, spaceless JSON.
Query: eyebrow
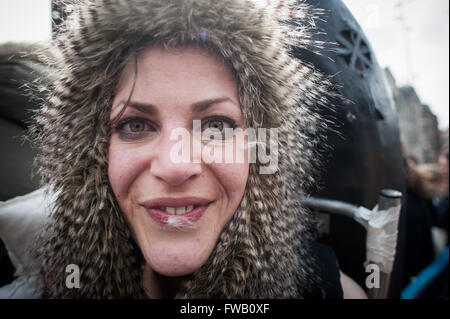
{"x":145,"y":108}
{"x":204,"y":105}
{"x":198,"y":107}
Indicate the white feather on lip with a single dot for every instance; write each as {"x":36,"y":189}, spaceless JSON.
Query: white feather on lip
{"x":179,"y":222}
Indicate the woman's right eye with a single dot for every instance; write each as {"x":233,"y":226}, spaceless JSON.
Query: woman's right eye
{"x":134,"y":128}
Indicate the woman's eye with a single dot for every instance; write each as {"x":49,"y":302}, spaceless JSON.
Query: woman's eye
{"x":217,"y":128}
{"x":133,"y":128}
{"x":136,"y":126}
{"x":216,"y":125}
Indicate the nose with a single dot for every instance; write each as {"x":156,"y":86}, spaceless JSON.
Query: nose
{"x":172,"y":166}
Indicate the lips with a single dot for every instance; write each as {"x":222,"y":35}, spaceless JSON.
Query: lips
{"x":177,"y":211}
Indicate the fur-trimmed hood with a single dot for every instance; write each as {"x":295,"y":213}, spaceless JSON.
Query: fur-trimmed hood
{"x":262,"y":252}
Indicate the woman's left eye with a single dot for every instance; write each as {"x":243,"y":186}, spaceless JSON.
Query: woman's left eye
{"x":217,"y":125}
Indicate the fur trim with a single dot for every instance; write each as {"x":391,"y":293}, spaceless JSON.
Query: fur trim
{"x":262,"y":252}
{"x":18,"y":50}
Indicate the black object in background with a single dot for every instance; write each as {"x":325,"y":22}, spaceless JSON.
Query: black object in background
{"x":365,"y":154}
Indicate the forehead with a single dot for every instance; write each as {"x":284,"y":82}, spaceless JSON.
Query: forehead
{"x":175,"y":58}
{"x":190,"y":68}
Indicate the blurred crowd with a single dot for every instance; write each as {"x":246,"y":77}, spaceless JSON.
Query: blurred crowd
{"x":426,"y":207}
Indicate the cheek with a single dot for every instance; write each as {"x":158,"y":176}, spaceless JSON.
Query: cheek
{"x":124,"y":166}
{"x":233,"y":178}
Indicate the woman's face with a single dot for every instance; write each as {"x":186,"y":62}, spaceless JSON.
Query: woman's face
{"x":176,"y":208}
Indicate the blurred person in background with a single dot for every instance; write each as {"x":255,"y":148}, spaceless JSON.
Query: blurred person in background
{"x":18,"y":66}
{"x":420,"y":210}
{"x":441,"y":216}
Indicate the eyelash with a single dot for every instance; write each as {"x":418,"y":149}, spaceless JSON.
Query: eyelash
{"x":220,"y":118}
{"x":128,"y":135}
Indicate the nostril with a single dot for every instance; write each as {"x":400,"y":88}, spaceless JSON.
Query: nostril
{"x":174,"y":174}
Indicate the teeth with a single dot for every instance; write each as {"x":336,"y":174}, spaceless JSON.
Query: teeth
{"x":178,"y":210}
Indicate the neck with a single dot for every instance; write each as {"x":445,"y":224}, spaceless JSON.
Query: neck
{"x":158,"y":286}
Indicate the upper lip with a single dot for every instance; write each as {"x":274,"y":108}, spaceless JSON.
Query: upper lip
{"x":175,"y":202}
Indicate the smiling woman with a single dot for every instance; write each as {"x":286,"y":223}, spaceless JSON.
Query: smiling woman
{"x":136,"y":220}
{"x":158,"y":196}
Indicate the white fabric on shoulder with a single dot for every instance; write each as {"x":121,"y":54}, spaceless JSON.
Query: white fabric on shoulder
{"x":21,"y":219}
{"x":24,"y":287}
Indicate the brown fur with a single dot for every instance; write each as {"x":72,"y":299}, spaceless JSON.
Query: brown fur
{"x":262,"y":252}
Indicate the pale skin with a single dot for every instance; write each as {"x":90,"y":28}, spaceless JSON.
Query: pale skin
{"x":350,"y":288}
{"x":174,"y":87}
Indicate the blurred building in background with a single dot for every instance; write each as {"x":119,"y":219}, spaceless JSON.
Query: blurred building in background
{"x":444,"y":138}
{"x":419,"y":128}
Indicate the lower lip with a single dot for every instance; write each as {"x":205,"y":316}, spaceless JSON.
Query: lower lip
{"x":162,"y":217}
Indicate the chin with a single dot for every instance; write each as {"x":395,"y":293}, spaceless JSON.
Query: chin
{"x":176,"y":263}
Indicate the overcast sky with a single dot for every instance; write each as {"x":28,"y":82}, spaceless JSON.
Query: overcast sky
{"x":411,"y":37}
